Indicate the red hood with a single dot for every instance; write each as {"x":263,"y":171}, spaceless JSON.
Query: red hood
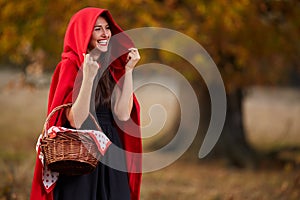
{"x":80,"y":29}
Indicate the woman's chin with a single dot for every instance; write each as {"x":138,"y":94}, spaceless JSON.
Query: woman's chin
{"x":101,"y":48}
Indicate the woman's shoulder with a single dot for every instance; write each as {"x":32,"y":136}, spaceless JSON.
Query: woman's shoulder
{"x":68,"y":63}
{"x":65,"y":68}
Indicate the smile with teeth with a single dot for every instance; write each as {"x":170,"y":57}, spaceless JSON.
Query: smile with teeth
{"x":103,"y":42}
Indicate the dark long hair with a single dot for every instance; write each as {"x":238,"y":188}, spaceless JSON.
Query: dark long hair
{"x":105,"y":80}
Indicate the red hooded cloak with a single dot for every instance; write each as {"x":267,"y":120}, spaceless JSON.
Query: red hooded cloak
{"x":63,"y":85}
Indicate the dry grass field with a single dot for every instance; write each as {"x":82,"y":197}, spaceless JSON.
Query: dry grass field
{"x":23,"y":113}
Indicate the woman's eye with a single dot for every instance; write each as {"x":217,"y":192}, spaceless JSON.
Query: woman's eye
{"x":100,"y":28}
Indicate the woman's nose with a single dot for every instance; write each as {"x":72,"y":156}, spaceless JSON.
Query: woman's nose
{"x":105,"y":33}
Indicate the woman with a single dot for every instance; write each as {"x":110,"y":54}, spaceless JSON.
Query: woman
{"x":96,"y":52}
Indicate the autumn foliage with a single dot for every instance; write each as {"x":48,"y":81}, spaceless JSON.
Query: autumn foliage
{"x":252,"y":42}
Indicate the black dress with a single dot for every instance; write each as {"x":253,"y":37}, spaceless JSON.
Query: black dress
{"x":104,"y":183}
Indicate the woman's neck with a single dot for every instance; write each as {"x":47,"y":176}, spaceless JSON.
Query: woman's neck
{"x":95,"y":54}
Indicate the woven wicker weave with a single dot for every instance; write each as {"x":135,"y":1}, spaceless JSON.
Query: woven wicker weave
{"x":69,"y":153}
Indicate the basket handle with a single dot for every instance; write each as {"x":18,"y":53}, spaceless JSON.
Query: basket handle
{"x":67,"y":105}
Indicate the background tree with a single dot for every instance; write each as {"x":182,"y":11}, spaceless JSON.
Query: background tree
{"x":252,"y":43}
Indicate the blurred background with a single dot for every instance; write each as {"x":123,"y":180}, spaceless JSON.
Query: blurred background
{"x":256,"y":47}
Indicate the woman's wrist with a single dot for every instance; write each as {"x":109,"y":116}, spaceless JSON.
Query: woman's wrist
{"x":88,"y":79}
{"x":128,"y":69}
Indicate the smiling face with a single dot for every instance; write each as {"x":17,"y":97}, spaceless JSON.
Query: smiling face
{"x":100,"y":37}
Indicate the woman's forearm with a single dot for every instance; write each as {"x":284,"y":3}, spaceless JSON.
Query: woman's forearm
{"x":124,"y":98}
{"x":79,"y":111}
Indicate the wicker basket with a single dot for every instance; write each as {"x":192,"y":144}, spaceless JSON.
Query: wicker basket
{"x":69,"y":153}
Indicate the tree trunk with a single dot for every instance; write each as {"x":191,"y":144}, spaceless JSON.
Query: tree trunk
{"x":233,"y":144}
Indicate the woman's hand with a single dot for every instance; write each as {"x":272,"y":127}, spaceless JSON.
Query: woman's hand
{"x":90,"y":67}
{"x":132,"y":58}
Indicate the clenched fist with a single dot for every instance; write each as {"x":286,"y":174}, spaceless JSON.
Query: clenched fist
{"x":90,"y":67}
{"x":132,"y":58}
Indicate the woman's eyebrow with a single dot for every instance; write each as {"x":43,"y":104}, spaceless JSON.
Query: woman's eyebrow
{"x":100,"y":25}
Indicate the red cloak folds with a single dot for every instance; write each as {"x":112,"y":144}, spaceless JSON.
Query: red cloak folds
{"x":63,"y":86}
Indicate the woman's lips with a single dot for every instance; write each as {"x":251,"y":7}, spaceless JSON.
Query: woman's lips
{"x":103,"y":42}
